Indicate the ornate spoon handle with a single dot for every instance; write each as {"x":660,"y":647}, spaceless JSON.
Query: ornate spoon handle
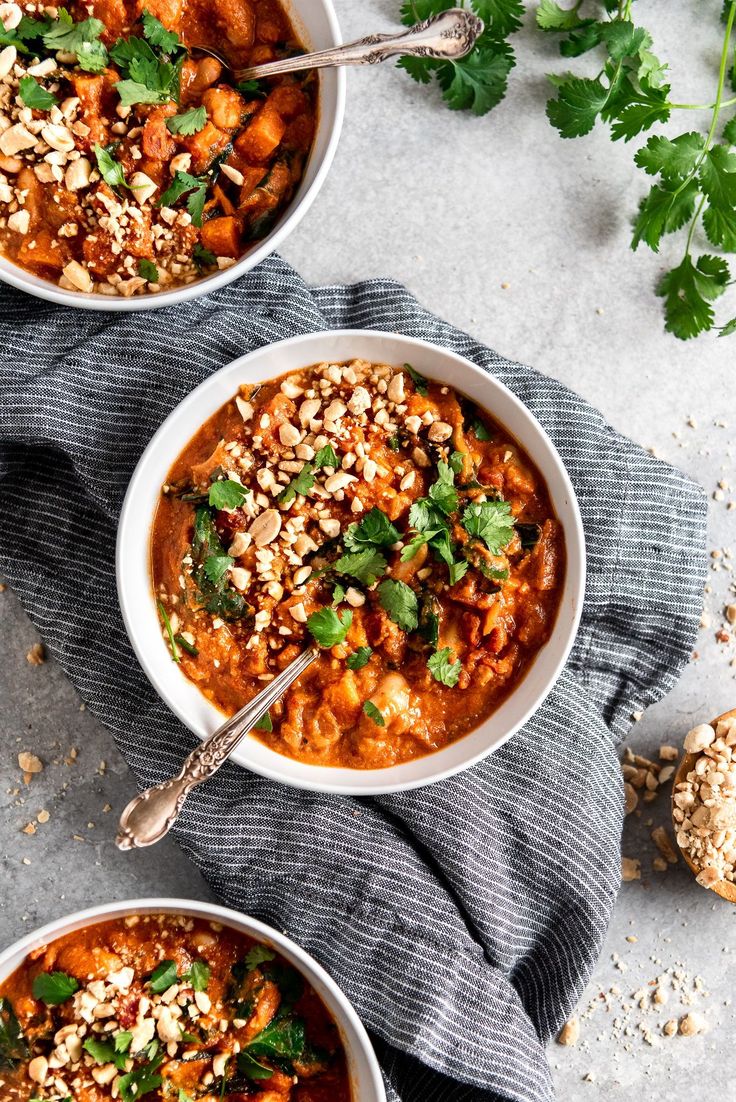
{"x":149,"y":816}
{"x":449,"y":35}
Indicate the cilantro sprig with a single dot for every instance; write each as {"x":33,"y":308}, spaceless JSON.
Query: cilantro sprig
{"x":151,"y":66}
{"x":54,"y":988}
{"x":34,"y":95}
{"x":477,"y":82}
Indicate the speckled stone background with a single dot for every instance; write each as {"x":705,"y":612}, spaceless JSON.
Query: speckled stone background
{"x":522,"y":239}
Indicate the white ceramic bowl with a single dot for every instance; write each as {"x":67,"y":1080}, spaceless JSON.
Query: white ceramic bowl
{"x":133,"y":555}
{"x":366,"y":1079}
{"x":316,"y":24}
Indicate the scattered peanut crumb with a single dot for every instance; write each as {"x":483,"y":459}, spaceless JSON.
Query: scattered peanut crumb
{"x":43,"y":816}
{"x":29,"y":763}
{"x":570,"y":1032}
{"x":669,"y":753}
{"x":630,"y":869}
{"x":692,"y":1023}
{"x":36,"y":655}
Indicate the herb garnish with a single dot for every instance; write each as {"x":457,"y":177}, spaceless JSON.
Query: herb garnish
{"x":13,"y":1046}
{"x":227,"y":495}
{"x":107,"y":1052}
{"x":374,"y":530}
{"x":210,"y":570}
{"x":141,"y":1081}
{"x":420,"y":383}
{"x":259,"y":954}
{"x":34,"y":95}
{"x":110,"y":169}
{"x":480,"y":430}
{"x":82,"y":39}
{"x":163,"y":977}
{"x":184,"y":183}
{"x":54,"y":988}
{"x":147,"y":270}
{"x":198,"y":975}
{"x":326,"y":457}
{"x":186,"y":645}
{"x":188,"y":123}
{"x":490,"y":521}
{"x":366,"y":566}
{"x":203,"y":258}
{"x":443,"y":669}
{"x":302,"y":484}
{"x":373,"y":713}
{"x":329,"y":628}
{"x":400,"y":602}
{"x":265,"y":723}
{"x":169,"y":631}
{"x":359,"y":658}
{"x":251,"y":1068}
{"x":151,"y":65}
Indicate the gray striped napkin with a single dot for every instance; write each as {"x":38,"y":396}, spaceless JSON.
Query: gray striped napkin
{"x":462,"y":920}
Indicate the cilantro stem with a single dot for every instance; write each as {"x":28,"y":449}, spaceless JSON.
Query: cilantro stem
{"x":169,"y":631}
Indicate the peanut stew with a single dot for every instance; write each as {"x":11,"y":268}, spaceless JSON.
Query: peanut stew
{"x":167,"y":1008}
{"x":129,"y":164}
{"x":381,"y":515}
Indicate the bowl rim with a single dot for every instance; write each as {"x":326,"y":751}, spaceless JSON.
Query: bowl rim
{"x":15,"y":276}
{"x":346,"y":1015}
{"x":278,"y":767}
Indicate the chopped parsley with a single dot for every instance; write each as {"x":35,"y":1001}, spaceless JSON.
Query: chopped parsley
{"x":228,"y":495}
{"x":302,"y":484}
{"x":148,"y":270}
{"x":373,"y":713}
{"x":366,"y":566}
{"x":34,"y":96}
{"x":328,"y":628}
{"x":490,"y":521}
{"x":188,"y":123}
{"x":399,"y":601}
{"x":443,"y":669}
{"x":54,"y":988}
{"x":359,"y":658}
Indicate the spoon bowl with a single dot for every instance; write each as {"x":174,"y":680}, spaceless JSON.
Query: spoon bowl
{"x":724,"y":888}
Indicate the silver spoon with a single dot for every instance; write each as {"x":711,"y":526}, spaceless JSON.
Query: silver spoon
{"x":447,"y":36}
{"x":150,"y":816}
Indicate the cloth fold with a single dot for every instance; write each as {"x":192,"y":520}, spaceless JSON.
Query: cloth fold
{"x":462,"y":920}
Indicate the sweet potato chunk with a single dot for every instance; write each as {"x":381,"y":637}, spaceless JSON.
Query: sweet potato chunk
{"x":238,"y":21}
{"x":205,"y":146}
{"x":262,"y":136}
{"x":222,"y":236}
{"x":42,"y":251}
{"x":157,"y":143}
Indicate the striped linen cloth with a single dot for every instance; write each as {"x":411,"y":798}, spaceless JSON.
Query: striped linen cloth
{"x":462,"y":920}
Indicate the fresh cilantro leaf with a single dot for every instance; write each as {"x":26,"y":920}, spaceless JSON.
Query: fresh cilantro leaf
{"x":148,"y":270}
{"x":265,"y":723}
{"x":727,"y":329}
{"x":253,"y":87}
{"x":400,"y":603}
{"x":420,"y":383}
{"x":674,"y":159}
{"x":203,"y":258}
{"x":252,"y":1068}
{"x":188,"y":123}
{"x":216,"y":567}
{"x":169,"y":631}
{"x":374,"y":713}
{"x":168,"y":42}
{"x":326,"y":457}
{"x":623,"y":39}
{"x":54,"y":988}
{"x":552,"y":17}
{"x":105,"y":1052}
{"x":302,"y":484}
{"x":338,"y":594}
{"x":328,"y":628}
{"x":501,"y":17}
{"x":163,"y":977}
{"x":479,"y":81}
{"x":718,"y":183}
{"x":81,"y":39}
{"x":729,"y":131}
{"x":443,"y":669}
{"x":111,"y":170}
{"x":195,"y":204}
{"x":375,"y":530}
{"x":158,"y":90}
{"x":579,"y":103}
{"x":34,"y":96}
{"x":480,"y":430}
{"x":688,"y":291}
{"x":180,"y":185}
{"x":443,"y":492}
{"x":13,"y":1045}
{"x":638,"y":117}
{"x":359,"y":658}
{"x":490,"y":521}
{"x":123,"y":1040}
{"x":199,"y":974}
{"x":412,"y":547}
{"x":141,"y":1081}
{"x":394,"y":443}
{"x":208,"y":555}
{"x":259,"y":954}
{"x":366,"y":566}
{"x":663,"y":211}
{"x":227,"y":494}
{"x":416,"y":11}
{"x":283,"y":1039}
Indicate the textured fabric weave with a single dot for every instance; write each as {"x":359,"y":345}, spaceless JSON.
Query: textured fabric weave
{"x":462,"y":920}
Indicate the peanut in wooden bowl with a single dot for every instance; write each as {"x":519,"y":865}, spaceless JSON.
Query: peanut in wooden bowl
{"x":724,"y":888}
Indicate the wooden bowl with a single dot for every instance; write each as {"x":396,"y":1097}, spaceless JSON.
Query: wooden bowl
{"x":725,"y":888}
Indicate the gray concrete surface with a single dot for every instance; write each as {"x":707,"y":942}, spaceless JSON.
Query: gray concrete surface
{"x":522,"y":239}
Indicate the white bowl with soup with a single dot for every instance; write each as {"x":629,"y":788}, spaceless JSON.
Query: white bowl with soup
{"x":426,"y":667}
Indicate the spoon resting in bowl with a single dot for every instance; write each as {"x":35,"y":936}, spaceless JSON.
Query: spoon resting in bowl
{"x":150,"y":816}
{"x":697,"y":740}
{"x":447,"y":37}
